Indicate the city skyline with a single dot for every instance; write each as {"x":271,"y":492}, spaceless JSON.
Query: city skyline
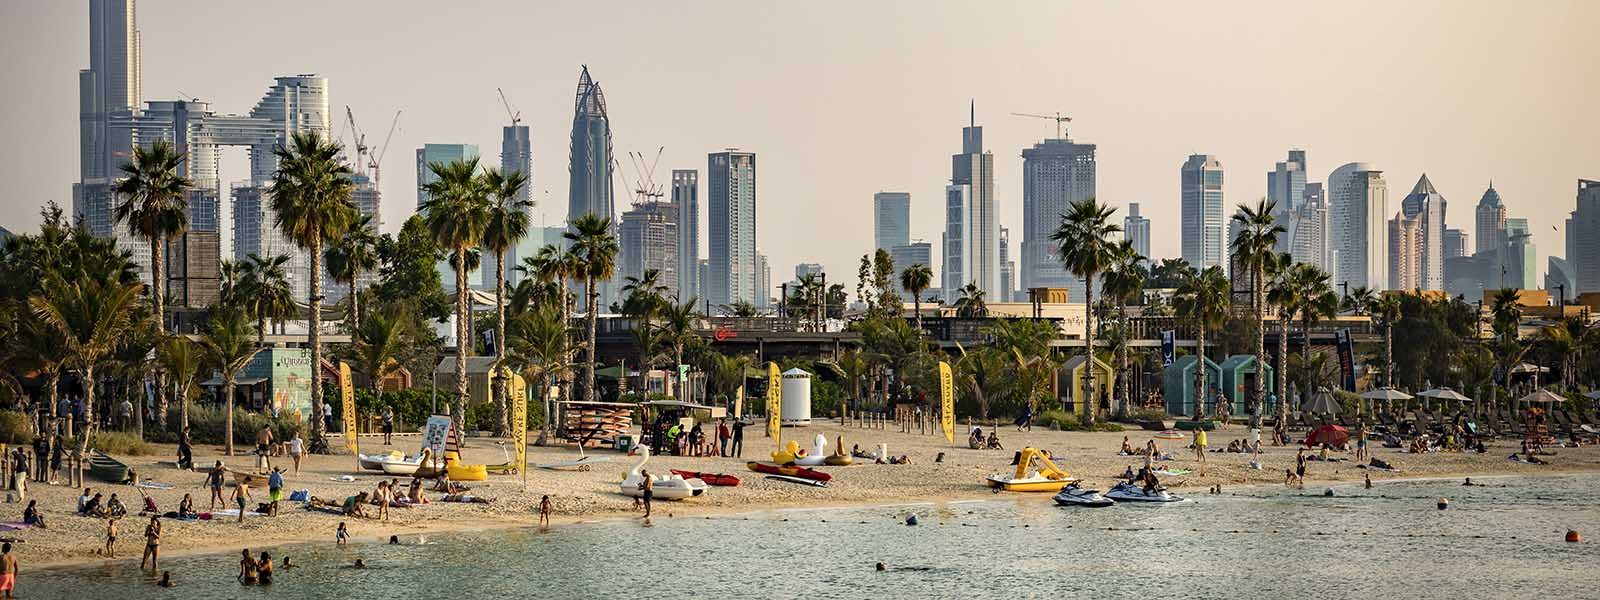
{"x":1534,"y":156}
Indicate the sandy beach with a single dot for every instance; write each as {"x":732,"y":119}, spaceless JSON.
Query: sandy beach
{"x":593,"y":495}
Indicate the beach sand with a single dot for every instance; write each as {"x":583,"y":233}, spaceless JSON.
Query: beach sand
{"x":593,"y":495}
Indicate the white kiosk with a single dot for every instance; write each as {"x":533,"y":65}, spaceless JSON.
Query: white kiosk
{"x":796,"y":398}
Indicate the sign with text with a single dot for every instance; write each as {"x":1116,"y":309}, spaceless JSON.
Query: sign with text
{"x":347,"y":394}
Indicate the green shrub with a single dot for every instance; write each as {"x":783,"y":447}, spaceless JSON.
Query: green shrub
{"x":207,"y":426}
{"x":481,"y":416}
{"x":1069,"y":422}
{"x":1150,"y":414}
{"x":125,"y":443}
{"x":14,"y":428}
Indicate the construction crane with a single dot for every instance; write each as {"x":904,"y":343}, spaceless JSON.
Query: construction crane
{"x":377,"y":153}
{"x":1058,"y":119}
{"x":357,"y":136}
{"x":516,"y":116}
{"x":645,"y":187}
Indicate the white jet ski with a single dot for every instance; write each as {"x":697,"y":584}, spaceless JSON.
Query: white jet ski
{"x":1127,"y":492}
{"x":1072,"y":495}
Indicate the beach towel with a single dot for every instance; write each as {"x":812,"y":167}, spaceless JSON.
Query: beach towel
{"x":14,"y":526}
{"x":154,"y":485}
{"x":299,"y":495}
{"x":1172,"y":472}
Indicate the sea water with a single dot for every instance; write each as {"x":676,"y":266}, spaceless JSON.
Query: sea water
{"x":1500,"y":541}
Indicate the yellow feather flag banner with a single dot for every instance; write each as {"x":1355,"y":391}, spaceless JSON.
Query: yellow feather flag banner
{"x":519,"y":422}
{"x":347,"y":393}
{"x":774,"y":402}
{"x":947,"y":402}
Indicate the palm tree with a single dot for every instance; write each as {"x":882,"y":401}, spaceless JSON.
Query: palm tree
{"x":507,"y":224}
{"x":265,"y":292}
{"x":553,"y":267}
{"x":155,"y":208}
{"x":231,"y":278}
{"x":354,"y":253}
{"x":1311,"y":295}
{"x":1253,"y":249}
{"x":970,"y":305}
{"x":1279,"y":272}
{"x":91,"y":315}
{"x":182,"y":359}
{"x":1203,"y":298}
{"x":311,"y":198}
{"x":1083,"y":240}
{"x":378,"y":346}
{"x":677,"y":329}
{"x":593,"y":242}
{"x":915,"y":279}
{"x":1387,"y":309}
{"x":1123,"y":283}
{"x":537,"y":346}
{"x":228,"y":350}
{"x":1359,"y":300}
{"x":457,"y":213}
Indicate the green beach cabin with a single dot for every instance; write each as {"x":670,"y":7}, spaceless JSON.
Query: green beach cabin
{"x":1239,"y":381}
{"x":1178,"y":383}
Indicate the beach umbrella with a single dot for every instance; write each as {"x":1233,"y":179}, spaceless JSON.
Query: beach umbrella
{"x":1332,"y":435}
{"x":1322,"y":403}
{"x":1443,"y":393}
{"x":1542,"y":397}
{"x":1594,"y":395}
{"x":1388,"y":394}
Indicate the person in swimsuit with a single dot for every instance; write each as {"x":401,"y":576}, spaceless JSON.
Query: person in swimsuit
{"x":241,"y":497}
{"x":152,"y":544}
{"x":544,"y":510}
{"x":247,"y":568}
{"x":264,"y":569}
{"x":111,"y":537}
{"x":296,"y":450}
{"x":8,"y":571}
{"x":648,"y":489}
{"x":341,"y":536}
{"x":214,"y":481}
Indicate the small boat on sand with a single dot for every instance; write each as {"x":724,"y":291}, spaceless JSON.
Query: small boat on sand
{"x":788,"y":470}
{"x":1048,"y":478}
{"x":718,"y":479}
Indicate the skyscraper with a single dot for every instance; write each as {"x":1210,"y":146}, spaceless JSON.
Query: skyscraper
{"x":1583,"y":232}
{"x":1455,"y":243}
{"x":648,"y":238}
{"x":686,"y":194}
{"x":891,"y":219}
{"x":974,"y":168}
{"x":1406,"y":241}
{"x":1307,"y":231}
{"x":1136,"y":228}
{"x":1359,"y":198}
{"x":1055,"y":174}
{"x":109,"y":88}
{"x":731,"y":227}
{"x":1286,"y":188}
{"x":957,"y":240}
{"x":516,"y":156}
{"x":366,"y":196}
{"x":1204,"y":235}
{"x":905,"y":255}
{"x":801,"y":270}
{"x":763,"y":282}
{"x":1428,"y":206}
{"x":1519,"y":258}
{"x":1491,"y":220}
{"x":429,"y":154}
{"x":591,"y":162}
{"x":1008,"y":268}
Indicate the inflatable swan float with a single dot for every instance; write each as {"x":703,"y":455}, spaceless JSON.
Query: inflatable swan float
{"x":670,"y":486}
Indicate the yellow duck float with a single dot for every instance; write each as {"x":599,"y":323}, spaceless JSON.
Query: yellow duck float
{"x":790,"y":452}
{"x":1049,"y":477}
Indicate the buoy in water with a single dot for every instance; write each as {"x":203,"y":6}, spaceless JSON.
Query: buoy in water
{"x":1573,"y":537}
{"x":911,"y":520}
{"x":1444,"y":503}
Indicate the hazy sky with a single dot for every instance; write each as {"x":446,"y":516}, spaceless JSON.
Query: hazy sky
{"x":843,"y":99}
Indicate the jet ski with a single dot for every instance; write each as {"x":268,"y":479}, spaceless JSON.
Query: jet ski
{"x":1127,"y":492}
{"x":1072,"y":495}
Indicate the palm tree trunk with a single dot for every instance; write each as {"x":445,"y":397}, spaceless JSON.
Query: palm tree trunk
{"x":1258,"y":395}
{"x":319,"y":441}
{"x":1088,"y":363}
{"x":916,"y":308}
{"x":567,"y":377}
{"x":1122,"y":362}
{"x":54,"y":381}
{"x":592,"y":304}
{"x":261,"y":328}
{"x":458,"y":416}
{"x":355,"y":305}
{"x":504,"y":419}
{"x":1388,"y":354}
{"x":227,"y":427}
{"x":183,"y":408}
{"x":88,"y":422}
{"x":1305,"y":368}
{"x":1280,"y":376}
{"x":1200,"y":375}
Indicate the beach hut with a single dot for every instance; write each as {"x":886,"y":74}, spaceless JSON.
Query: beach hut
{"x":1239,"y":381}
{"x":1069,"y":382}
{"x":1178,"y":383}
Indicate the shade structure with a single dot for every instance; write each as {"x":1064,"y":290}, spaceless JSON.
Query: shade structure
{"x":1322,"y":403}
{"x":1529,"y":368}
{"x":1443,"y":393}
{"x":1332,"y":435}
{"x":1594,"y":395}
{"x":1542,"y":397}
{"x":1385,"y":393}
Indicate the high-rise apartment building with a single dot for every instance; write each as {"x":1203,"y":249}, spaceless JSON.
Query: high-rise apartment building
{"x":1583,"y":234}
{"x":731,"y":228}
{"x":801,"y":270}
{"x":367,"y":198}
{"x":1056,"y":174}
{"x":956,"y":240}
{"x":891,"y":219}
{"x":430,"y":154}
{"x":974,"y":168}
{"x":516,"y":156}
{"x":905,"y":255}
{"x":1428,"y":206}
{"x":648,"y":238}
{"x":1204,"y":235}
{"x":590,"y":162}
{"x":1491,"y":220}
{"x":686,"y":194}
{"x":1286,"y":189}
{"x":1136,"y":228}
{"x":1455,"y":243}
{"x":763,"y":282}
{"x":108,"y":89}
{"x":1406,"y":241}
{"x":1519,"y":257}
{"x":1308,"y":230}
{"x":1358,"y":199}
{"x":1008,"y":268}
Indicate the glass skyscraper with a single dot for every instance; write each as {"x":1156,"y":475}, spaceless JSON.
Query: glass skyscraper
{"x":686,"y":195}
{"x":891,"y":219}
{"x":591,"y":162}
{"x":1056,"y":174}
{"x":1204,"y":234}
{"x":731,"y":228}
{"x":1359,"y":201}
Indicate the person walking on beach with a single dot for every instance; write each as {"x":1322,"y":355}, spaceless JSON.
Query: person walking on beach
{"x":214,"y":481}
{"x":388,"y":425}
{"x":152,"y":544}
{"x":264,"y":447}
{"x":241,"y":497}
{"x":341,"y":536}
{"x":274,"y":491}
{"x":1300,"y":465}
{"x":722,"y":438}
{"x":738,"y":438}
{"x":1361,"y":442}
{"x":648,"y":489}
{"x":297,"y":449}
{"x":111,"y":537}
{"x":185,"y":451}
{"x":544,"y":511}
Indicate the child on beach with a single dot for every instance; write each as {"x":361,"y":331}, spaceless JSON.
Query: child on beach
{"x":111,"y":537}
{"x":544,"y":510}
{"x":341,"y":536}
{"x":241,"y":497}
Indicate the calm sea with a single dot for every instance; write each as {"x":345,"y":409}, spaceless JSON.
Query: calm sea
{"x":1504,"y":541}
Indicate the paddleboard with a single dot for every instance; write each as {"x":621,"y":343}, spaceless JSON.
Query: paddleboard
{"x":799,"y":480}
{"x":573,"y":464}
{"x":1172,"y":472}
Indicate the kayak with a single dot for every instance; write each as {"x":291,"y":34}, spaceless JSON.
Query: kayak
{"x":721,"y":479}
{"x":789,"y":470}
{"x":810,"y":482}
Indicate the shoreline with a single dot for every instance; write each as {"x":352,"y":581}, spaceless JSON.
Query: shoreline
{"x":591,"y":497}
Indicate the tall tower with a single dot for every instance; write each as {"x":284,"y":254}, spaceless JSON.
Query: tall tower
{"x":1428,"y":206}
{"x":731,"y":227}
{"x":1406,"y":251}
{"x":648,"y":237}
{"x":974,"y":168}
{"x":591,"y":162}
{"x":891,"y":219}
{"x":1203,"y":232}
{"x":1056,"y":173}
{"x":686,"y":194}
{"x":1008,"y":268}
{"x":1491,"y":220}
{"x":1136,"y":228}
{"x":109,"y":88}
{"x":1286,"y":188}
{"x":1359,"y":199}
{"x":1583,"y":233}
{"x":516,"y":156}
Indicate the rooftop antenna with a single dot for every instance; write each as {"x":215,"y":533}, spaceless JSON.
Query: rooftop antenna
{"x":1058,"y":118}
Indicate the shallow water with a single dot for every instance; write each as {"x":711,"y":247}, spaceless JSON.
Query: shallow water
{"x":1503,"y":541}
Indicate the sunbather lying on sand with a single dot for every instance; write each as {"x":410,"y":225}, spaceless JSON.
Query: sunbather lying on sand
{"x":468,"y":498}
